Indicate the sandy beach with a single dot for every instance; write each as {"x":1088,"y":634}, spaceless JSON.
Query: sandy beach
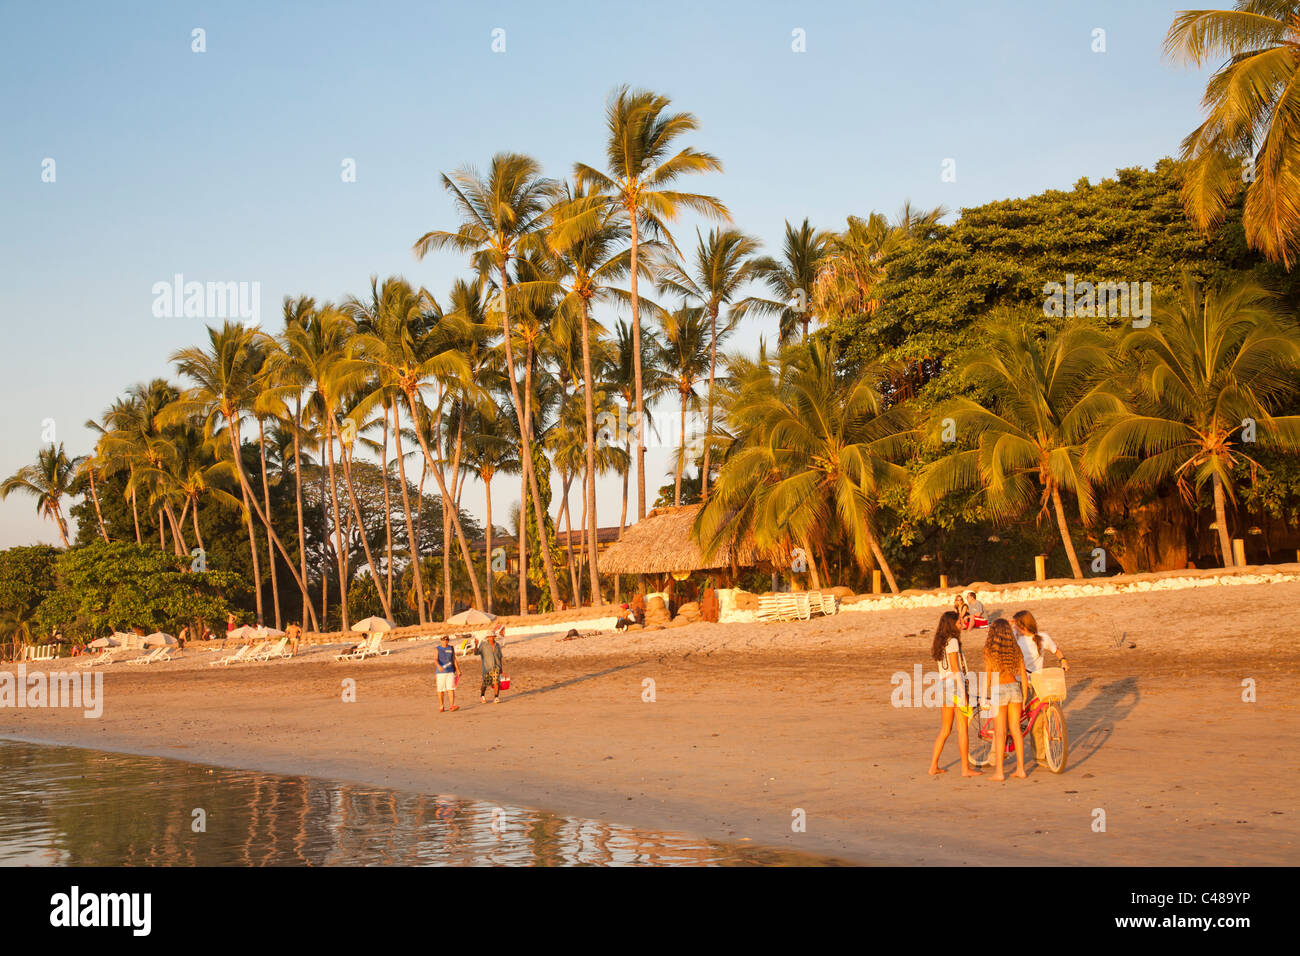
{"x":752,"y":722}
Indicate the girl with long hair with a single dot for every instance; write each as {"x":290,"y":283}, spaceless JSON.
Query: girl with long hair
{"x":1004,"y":669}
{"x":947,"y":653}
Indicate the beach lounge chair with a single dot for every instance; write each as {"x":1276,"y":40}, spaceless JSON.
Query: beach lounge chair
{"x":153,"y":656}
{"x":354,"y":653}
{"x":374,"y":650}
{"x":108,"y":657}
{"x":270,"y":650}
{"x":240,"y":654}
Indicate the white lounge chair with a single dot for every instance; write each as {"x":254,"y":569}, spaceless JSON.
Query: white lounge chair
{"x":153,"y":656}
{"x":269,"y":651}
{"x":107,"y":657}
{"x":241,"y":653}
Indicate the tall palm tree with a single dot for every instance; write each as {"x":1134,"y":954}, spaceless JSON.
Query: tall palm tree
{"x":622,"y":378}
{"x":1252,"y":125}
{"x":792,"y":279}
{"x":490,"y":450}
{"x":852,"y":263}
{"x":686,"y":361}
{"x":500,"y":215}
{"x":93,"y":465}
{"x":1047,"y":397}
{"x":1210,"y":369}
{"x":411,"y":352}
{"x":224,"y":376}
{"x":641,"y":167}
{"x":290,"y":359}
{"x":49,"y":481}
{"x":725,"y":263}
{"x":815,"y":452}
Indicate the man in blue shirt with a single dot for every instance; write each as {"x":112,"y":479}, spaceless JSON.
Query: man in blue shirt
{"x":448,"y":673}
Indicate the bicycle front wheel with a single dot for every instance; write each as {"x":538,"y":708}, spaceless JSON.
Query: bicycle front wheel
{"x":981,"y":748}
{"x":1056,"y":739}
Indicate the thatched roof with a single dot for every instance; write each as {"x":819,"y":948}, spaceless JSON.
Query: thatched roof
{"x":661,"y":543}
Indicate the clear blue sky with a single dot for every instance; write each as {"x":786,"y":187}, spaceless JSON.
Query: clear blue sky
{"x":226,"y":165}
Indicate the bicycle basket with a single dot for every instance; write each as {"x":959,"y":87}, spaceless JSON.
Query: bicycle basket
{"x":1049,"y":683}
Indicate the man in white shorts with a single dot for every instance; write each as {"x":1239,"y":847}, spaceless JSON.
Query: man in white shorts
{"x":448,"y":671}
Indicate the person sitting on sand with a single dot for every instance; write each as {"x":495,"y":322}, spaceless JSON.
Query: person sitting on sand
{"x":947,"y":653}
{"x":978,"y":616}
{"x":489,"y":652}
{"x":448,"y":673}
{"x":626,"y":618}
{"x":962,"y":611}
{"x":1004,"y":669}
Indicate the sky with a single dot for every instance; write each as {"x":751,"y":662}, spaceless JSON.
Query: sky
{"x":227,"y":165}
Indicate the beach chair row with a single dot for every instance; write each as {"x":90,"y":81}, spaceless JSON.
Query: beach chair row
{"x":795,"y":605}
{"x":251,"y":653}
{"x":158,"y":655}
{"x":367,"y":648}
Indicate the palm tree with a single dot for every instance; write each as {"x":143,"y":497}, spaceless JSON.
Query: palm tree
{"x":792,"y":279}
{"x":724,"y":263}
{"x":499,"y":216}
{"x":489,"y":451}
{"x":622,"y":378}
{"x":852,"y":264}
{"x":1047,"y":398}
{"x":48,"y":481}
{"x":92,"y":465}
{"x":1210,"y":369}
{"x":686,"y":359}
{"x":225,"y":387}
{"x":413,"y":350}
{"x":814,"y":452}
{"x":640,"y":169}
{"x":290,"y":359}
{"x":1252,"y":125}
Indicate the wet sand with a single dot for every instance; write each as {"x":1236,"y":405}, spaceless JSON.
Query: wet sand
{"x":753,"y":723}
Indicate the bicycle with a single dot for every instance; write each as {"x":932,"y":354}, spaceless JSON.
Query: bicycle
{"x":1051,"y":741}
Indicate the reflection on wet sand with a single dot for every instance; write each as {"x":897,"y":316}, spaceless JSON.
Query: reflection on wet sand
{"x":75,"y":807}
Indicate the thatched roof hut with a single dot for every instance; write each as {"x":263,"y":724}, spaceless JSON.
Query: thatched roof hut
{"x":662,"y":543}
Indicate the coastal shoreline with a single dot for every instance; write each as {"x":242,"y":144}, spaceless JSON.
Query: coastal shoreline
{"x":753,"y":723}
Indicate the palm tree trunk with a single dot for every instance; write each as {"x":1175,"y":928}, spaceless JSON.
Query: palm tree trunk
{"x":636,"y":368}
{"x":340,"y":553}
{"x":308,"y":611}
{"x":524,"y":413}
{"x":1065,"y":532}
{"x":568,"y":527}
{"x":324,"y":537}
{"x":487,"y":541}
{"x":266,"y":500}
{"x":880,"y":559}
{"x":812,"y":564}
{"x":447,"y":607}
{"x":252,"y":539}
{"x":523,"y":542}
{"x":708,"y":430}
{"x":361,"y":528}
{"x":178,"y":537}
{"x":447,"y":500}
{"x":135,"y":513}
{"x":194,"y":516}
{"x":94,"y":497}
{"x":411,"y":550}
{"x":627,"y":470}
{"x":388,"y":510}
{"x":589,"y":512}
{"x":681,"y":455}
{"x":1221,"y":519}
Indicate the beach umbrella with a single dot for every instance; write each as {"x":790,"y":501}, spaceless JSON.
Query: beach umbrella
{"x":104,"y":642}
{"x":373,"y":625}
{"x":243,"y":632}
{"x":269,"y":632}
{"x":472,"y":617}
{"x":157,"y":638}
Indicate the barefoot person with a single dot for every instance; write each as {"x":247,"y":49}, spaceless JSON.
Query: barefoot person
{"x":448,"y":674}
{"x":489,"y":652}
{"x":1004,"y":668}
{"x":1032,"y":643}
{"x":946,"y":651}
